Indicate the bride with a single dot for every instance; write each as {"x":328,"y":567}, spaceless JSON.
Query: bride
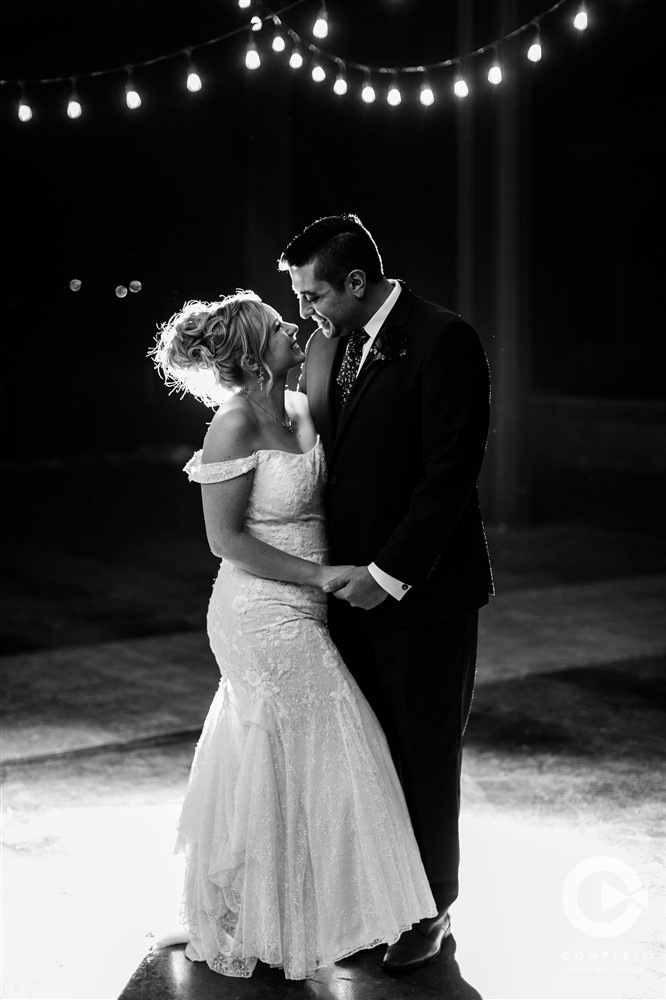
{"x":298,"y":845}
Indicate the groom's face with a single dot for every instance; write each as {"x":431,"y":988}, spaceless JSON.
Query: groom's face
{"x":334,"y":311}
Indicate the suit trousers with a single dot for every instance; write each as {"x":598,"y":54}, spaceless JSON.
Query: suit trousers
{"x":419,"y":682}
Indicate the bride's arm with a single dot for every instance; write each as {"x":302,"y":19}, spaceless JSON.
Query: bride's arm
{"x":225,"y":505}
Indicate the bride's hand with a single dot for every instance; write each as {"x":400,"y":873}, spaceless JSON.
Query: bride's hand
{"x":327,"y":573}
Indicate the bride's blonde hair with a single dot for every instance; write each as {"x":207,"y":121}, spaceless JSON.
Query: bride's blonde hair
{"x":209,"y":347}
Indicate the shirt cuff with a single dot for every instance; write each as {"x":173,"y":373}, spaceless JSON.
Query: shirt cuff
{"x":396,"y":588}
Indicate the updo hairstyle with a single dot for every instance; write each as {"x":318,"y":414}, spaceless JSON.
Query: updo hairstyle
{"x":209,"y":347}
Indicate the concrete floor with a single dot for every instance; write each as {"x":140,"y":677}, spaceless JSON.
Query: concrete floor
{"x":107,"y":677}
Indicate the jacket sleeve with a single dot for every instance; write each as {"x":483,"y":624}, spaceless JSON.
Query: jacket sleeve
{"x":452,"y":429}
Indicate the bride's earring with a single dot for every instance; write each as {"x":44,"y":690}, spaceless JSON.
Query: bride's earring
{"x":260,"y":379}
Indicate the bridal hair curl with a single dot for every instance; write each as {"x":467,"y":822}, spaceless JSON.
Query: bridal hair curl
{"x":208,"y":349}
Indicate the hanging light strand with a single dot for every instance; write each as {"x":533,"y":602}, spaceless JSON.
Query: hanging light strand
{"x":451,"y":62}
{"x":176,"y":54}
{"x":282,"y":34}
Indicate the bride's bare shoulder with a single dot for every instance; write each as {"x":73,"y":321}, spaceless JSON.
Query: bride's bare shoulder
{"x":232,"y":433}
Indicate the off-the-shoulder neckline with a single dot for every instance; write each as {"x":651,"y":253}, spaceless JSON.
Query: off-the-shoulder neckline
{"x":259,"y":451}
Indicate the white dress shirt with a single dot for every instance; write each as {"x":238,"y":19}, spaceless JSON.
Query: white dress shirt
{"x":396,"y":588}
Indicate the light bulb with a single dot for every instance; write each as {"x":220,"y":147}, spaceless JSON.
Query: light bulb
{"x":135,"y":286}
{"x":295,"y":59}
{"x":393,"y":97}
{"x":244,"y":4}
{"x":368,"y":92}
{"x":252,"y":58}
{"x":495,"y":74}
{"x":426,"y":96}
{"x":340,"y":85}
{"x":75,"y":285}
{"x":132,"y":98}
{"x":320,"y":29}
{"x":278,"y":44}
{"x":256,"y":23}
{"x":24,"y":111}
{"x":318,"y":73}
{"x":74,"y":109}
{"x":121,"y":291}
{"x":580,"y":20}
{"x":193,"y":81}
{"x":534,"y":52}
{"x":460,"y":88}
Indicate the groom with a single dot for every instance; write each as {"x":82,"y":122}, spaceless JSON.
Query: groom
{"x":399,"y":391}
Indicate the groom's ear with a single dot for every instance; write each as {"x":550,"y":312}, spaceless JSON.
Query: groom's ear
{"x":356,"y":282}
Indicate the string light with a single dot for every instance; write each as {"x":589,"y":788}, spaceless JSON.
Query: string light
{"x":368,"y":92}
{"x":340,"y":85}
{"x":278,"y":44}
{"x":324,"y":61}
{"x":580,"y":20}
{"x":24,"y":109}
{"x":394,"y":97}
{"x":74,"y":109}
{"x":296,"y":59}
{"x":193,"y":79}
{"x":460,"y":88}
{"x":252,"y":57}
{"x":534,"y":51}
{"x":132,"y":97}
{"x":495,"y":71}
{"x":320,"y":29}
{"x":426,"y":95}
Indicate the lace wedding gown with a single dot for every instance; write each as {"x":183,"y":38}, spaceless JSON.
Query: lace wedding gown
{"x":299,"y":848}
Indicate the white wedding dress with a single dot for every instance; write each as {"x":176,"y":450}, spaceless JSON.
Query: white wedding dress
{"x":299,"y":848}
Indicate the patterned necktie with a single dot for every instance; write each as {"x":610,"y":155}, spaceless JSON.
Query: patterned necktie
{"x":350,"y":364}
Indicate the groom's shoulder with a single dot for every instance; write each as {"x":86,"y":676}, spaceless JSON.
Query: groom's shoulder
{"x":439,"y":328}
{"x":435,"y":312}
{"x":420,"y":310}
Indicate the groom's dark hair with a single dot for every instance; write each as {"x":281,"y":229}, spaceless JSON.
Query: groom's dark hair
{"x":336,"y":245}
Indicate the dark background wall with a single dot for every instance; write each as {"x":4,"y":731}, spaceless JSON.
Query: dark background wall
{"x":196,"y":194}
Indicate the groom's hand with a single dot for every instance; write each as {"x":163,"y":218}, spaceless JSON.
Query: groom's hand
{"x":358,"y":587}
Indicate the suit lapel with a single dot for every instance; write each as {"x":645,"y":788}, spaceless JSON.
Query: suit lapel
{"x":386,"y":350}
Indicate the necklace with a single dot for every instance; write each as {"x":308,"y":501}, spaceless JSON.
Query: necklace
{"x":287,"y":424}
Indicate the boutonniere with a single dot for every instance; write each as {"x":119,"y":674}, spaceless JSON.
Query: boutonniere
{"x":388,"y":347}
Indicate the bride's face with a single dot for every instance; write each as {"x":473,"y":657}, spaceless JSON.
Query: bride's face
{"x":282,"y":352}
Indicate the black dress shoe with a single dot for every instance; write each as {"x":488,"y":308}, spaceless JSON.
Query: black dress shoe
{"x":418,"y":946}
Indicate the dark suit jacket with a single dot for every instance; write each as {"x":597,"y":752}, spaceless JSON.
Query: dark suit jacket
{"x":404,"y":456}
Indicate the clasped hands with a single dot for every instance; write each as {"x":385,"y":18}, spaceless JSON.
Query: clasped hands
{"x":356,"y":585}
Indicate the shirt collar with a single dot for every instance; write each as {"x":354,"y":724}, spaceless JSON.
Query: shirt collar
{"x":376,"y":322}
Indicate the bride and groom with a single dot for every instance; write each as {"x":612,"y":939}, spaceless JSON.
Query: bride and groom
{"x":321,"y":815}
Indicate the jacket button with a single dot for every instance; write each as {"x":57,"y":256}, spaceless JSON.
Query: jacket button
{"x":333,"y":480}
